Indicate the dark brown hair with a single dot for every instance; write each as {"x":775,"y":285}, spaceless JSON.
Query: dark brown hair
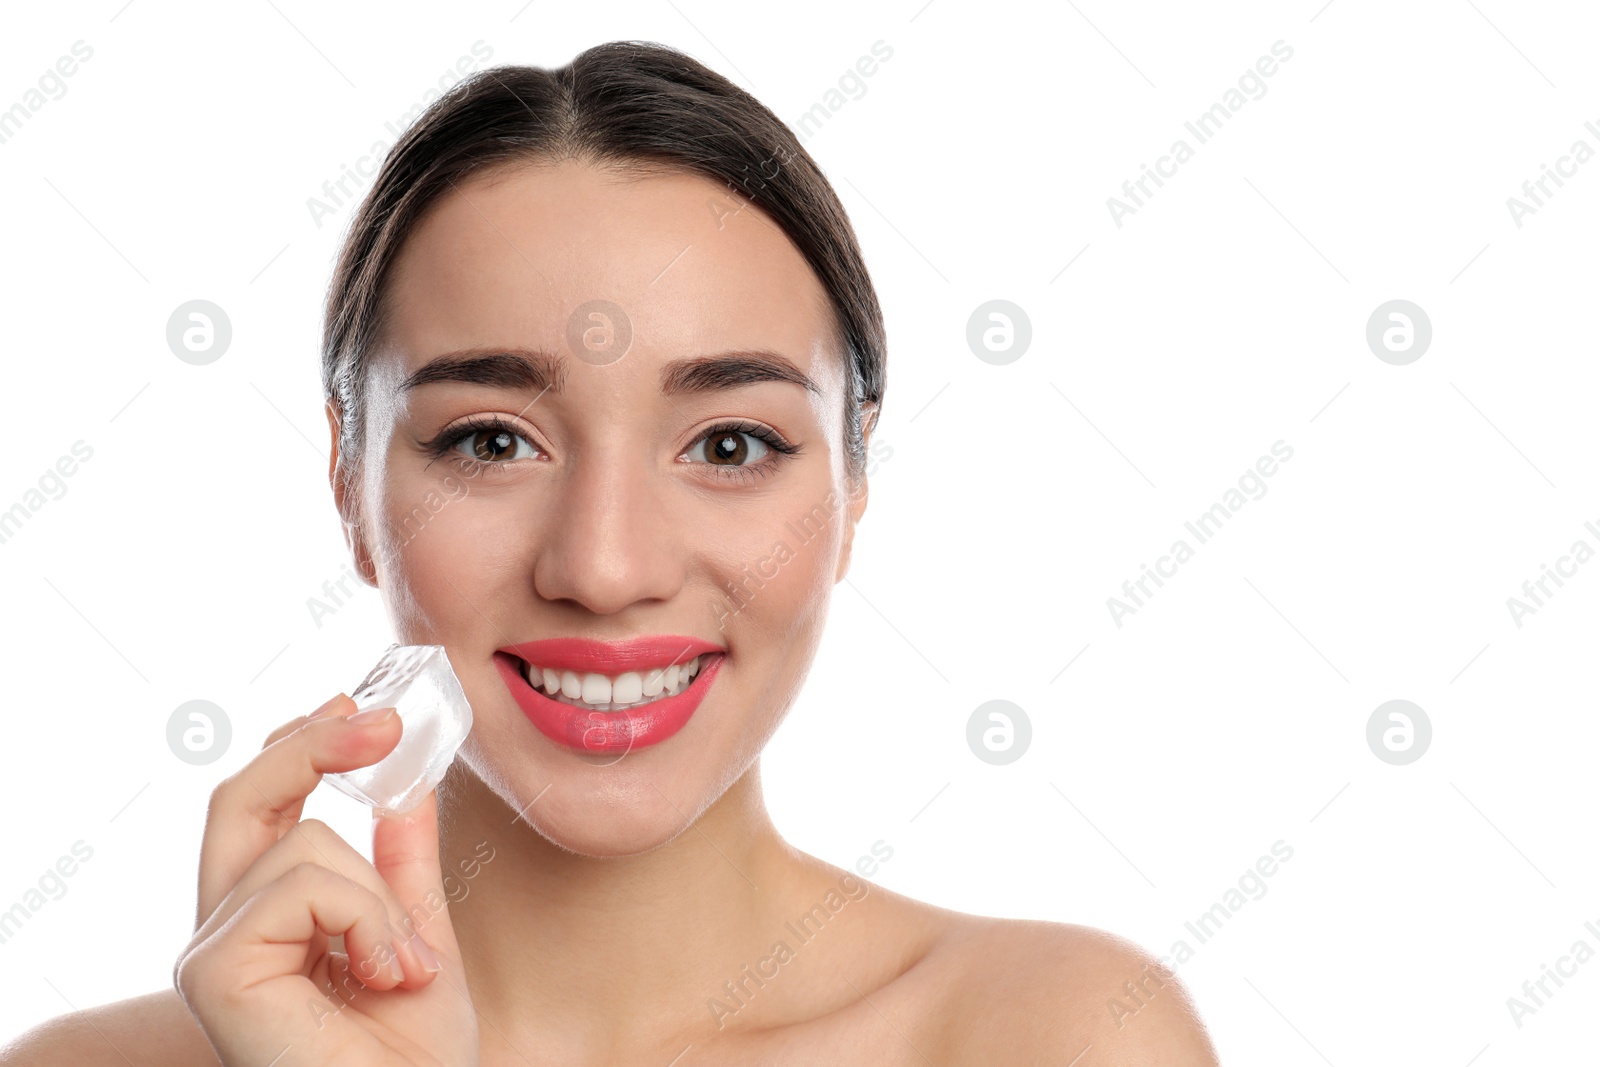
{"x":627,"y":105}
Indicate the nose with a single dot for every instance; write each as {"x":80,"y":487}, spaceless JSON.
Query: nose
{"x":607,"y":540}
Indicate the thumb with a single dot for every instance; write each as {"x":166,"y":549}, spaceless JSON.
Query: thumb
{"x":405,"y":852}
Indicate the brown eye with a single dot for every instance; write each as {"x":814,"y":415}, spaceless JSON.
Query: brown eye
{"x":493,"y":446}
{"x":730,"y":448}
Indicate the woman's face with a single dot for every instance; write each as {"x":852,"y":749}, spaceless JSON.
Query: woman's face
{"x":630,"y":342}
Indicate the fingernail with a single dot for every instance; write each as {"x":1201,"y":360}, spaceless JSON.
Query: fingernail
{"x":371,"y":716}
{"x":426,"y":954}
{"x":326,"y":708}
{"x":395,"y":968}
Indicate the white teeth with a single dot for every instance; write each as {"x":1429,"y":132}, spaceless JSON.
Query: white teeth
{"x":599,"y":692}
{"x":628,"y":688}
{"x":596,"y":689}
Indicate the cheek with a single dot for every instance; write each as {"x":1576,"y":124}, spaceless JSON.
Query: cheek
{"x":776,"y":578}
{"x":439,"y":559}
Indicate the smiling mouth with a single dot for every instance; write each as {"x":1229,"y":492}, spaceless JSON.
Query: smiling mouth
{"x":590,"y":691}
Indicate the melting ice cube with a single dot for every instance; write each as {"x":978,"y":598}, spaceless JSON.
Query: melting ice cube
{"x":415,"y":680}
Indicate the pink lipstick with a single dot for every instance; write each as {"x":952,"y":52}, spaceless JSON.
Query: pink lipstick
{"x":600,"y":696}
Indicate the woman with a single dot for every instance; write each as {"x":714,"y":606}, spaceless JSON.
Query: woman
{"x":600,"y":343}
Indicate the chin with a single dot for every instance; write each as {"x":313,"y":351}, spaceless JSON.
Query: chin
{"x":620,"y":815}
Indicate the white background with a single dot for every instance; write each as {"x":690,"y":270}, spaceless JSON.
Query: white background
{"x":1227,"y":314}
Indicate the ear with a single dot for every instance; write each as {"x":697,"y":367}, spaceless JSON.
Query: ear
{"x":349,"y":513}
{"x":858,"y":494}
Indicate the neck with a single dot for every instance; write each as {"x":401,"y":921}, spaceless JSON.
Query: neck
{"x":573,"y":950}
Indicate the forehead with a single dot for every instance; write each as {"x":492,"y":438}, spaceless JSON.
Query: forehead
{"x":509,"y":256}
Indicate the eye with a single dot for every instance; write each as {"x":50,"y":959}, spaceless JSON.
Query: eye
{"x":727,"y":447}
{"x":489,"y":441}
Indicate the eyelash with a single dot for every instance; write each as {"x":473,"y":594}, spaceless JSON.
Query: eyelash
{"x":444,"y":445}
{"x":781,"y":449}
{"x":446,"y":442}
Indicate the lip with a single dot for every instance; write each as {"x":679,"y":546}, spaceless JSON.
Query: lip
{"x":611,"y":657}
{"x":608,"y":731}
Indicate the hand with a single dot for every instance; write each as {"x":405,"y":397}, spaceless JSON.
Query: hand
{"x":261,"y":974}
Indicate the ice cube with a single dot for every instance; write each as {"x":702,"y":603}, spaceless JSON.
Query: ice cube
{"x":415,"y":680}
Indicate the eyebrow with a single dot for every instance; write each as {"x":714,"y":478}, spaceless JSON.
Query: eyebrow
{"x":536,"y":369}
{"x":507,"y":368}
{"x":729,"y":370}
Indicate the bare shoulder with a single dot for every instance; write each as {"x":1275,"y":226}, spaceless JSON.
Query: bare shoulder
{"x":154,"y":1030}
{"x":1060,"y":993}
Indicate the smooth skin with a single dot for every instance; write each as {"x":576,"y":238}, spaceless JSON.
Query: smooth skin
{"x":632,"y":886}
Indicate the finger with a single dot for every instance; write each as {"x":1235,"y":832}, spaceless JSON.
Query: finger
{"x":339,"y":705}
{"x":405,"y":853}
{"x":268,"y":937}
{"x":251,"y":809}
{"x":315,"y":842}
